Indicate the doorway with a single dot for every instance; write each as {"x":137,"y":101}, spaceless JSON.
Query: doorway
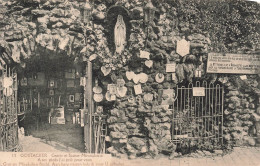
{"x":50,"y":97}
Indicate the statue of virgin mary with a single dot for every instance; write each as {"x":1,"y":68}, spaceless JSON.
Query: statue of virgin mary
{"x":120,"y":34}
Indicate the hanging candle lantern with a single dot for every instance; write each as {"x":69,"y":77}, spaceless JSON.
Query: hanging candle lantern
{"x":197,"y":73}
{"x":149,"y":11}
{"x":85,"y":12}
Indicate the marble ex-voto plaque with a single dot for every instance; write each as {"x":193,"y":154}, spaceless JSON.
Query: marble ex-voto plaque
{"x":111,"y":88}
{"x":233,"y":63}
{"x":144,"y":54}
{"x":170,"y":67}
{"x":168,"y":97}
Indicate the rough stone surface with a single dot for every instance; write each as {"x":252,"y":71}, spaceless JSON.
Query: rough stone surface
{"x":135,"y":126}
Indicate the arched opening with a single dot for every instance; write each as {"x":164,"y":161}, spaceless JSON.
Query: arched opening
{"x":50,"y":98}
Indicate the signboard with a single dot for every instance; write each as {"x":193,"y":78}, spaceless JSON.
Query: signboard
{"x":198,"y":91}
{"x":233,"y":63}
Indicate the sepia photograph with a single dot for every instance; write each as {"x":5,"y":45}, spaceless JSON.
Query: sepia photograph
{"x":129,"y":83}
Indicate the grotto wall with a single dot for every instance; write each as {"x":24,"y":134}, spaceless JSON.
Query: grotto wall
{"x":138,"y":124}
{"x":241,"y":110}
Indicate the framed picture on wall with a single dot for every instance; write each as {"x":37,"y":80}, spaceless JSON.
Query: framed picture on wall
{"x":59,"y":84}
{"x":51,"y":83}
{"x":77,"y":96}
{"x":70,"y":74}
{"x":70,"y":84}
{"x":71,"y":98}
{"x":51,"y":92}
{"x":35,"y":76}
{"x":23,"y":81}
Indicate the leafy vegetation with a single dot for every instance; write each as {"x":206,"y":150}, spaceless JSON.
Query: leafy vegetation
{"x":231,"y":25}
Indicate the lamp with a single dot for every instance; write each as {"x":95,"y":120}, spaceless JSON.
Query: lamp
{"x":197,"y":72}
{"x":85,"y":12}
{"x":149,"y":11}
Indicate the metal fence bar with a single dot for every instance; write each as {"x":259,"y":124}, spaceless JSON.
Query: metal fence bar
{"x":205,"y":112}
{"x":217,"y":110}
{"x":192,"y":111}
{"x":214,"y":112}
{"x":210,"y":112}
{"x":222,"y":113}
{"x":181,"y":108}
{"x":188,"y":103}
{"x":175,"y":112}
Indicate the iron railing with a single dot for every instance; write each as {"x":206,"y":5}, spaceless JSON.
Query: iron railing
{"x":100,"y":132}
{"x":198,"y":113}
{"x":95,"y":138}
{"x":8,"y":113}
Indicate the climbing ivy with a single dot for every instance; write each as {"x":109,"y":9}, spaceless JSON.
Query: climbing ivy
{"x":231,"y":25}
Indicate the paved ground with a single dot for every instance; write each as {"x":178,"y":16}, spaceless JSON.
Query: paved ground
{"x":69,"y":134}
{"x":32,"y":144}
{"x":241,"y":156}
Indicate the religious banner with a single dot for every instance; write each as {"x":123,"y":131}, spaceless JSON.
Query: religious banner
{"x":233,"y":63}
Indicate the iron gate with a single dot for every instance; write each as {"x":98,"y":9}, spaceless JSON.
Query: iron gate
{"x":8,"y":111}
{"x":198,"y":113}
{"x":95,"y":127}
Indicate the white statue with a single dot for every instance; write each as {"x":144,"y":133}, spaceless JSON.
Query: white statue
{"x":120,"y":34}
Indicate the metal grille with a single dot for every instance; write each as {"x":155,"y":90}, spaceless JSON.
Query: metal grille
{"x":100,"y":132}
{"x":8,"y":113}
{"x":198,"y":117}
{"x":95,"y":138}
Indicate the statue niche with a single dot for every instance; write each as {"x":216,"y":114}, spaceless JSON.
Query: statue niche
{"x":120,"y":34}
{"x":118,"y":28}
